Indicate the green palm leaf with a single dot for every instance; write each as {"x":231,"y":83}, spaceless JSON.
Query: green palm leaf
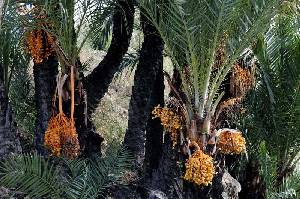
{"x":193,"y":32}
{"x":30,"y":174}
{"x":38,"y":177}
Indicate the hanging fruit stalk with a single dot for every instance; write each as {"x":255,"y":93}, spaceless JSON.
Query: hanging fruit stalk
{"x":71,"y":146}
{"x":61,"y":136}
{"x":170,"y":121}
{"x":39,"y":43}
{"x":57,"y":124}
{"x":200,"y":131}
{"x":72,"y":94}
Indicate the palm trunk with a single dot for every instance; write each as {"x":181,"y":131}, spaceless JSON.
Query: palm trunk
{"x":45,"y":84}
{"x":9,"y":142}
{"x":98,"y":81}
{"x":154,"y":129}
{"x":144,"y":82}
{"x":96,"y":84}
{"x":166,"y":178}
{"x":90,"y":141}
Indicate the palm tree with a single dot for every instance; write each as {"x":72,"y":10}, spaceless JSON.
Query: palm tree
{"x":37,"y":176}
{"x":148,"y":82}
{"x":194,"y":32}
{"x":95,"y":84}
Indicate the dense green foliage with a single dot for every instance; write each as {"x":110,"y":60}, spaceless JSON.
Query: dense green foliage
{"x":272,"y":118}
{"x":201,"y":28}
{"x":15,"y":67}
{"x":194,"y":32}
{"x":39,"y":176}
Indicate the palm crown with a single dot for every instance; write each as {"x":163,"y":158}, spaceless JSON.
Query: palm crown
{"x":194,"y":33}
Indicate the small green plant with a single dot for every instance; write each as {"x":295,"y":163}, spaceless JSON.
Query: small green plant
{"x":41,"y":177}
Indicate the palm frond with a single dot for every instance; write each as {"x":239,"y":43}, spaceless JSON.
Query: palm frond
{"x":130,"y":60}
{"x":99,"y":173}
{"x":31,"y":174}
{"x":14,"y":63}
{"x":101,"y":26}
{"x":11,"y":56}
{"x":278,"y":84}
{"x":72,"y":23}
{"x":38,"y":177}
{"x":267,"y":167}
{"x":288,"y":190}
{"x":273,"y":105}
{"x":200,"y":27}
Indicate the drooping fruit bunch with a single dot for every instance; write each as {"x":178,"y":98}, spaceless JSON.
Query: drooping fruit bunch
{"x":170,"y":121}
{"x":200,"y":169}
{"x":231,"y":142}
{"x":54,"y":131}
{"x":70,"y":143}
{"x":39,"y":45}
{"x":61,"y":137}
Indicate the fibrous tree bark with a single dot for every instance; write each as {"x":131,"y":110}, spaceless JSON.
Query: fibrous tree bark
{"x":45,"y":85}
{"x":96,"y":83}
{"x":146,"y":74}
{"x":167,"y":177}
{"x":154,"y":129}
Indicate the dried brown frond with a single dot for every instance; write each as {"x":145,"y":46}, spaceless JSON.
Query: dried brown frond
{"x":228,"y":106}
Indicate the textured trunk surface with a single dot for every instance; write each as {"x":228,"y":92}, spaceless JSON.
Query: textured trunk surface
{"x":167,"y":177}
{"x":252,"y":184}
{"x":154,"y":129}
{"x":45,"y":84}
{"x":98,"y":81}
{"x":144,"y":82}
{"x":90,"y":140}
{"x":9,"y":142}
